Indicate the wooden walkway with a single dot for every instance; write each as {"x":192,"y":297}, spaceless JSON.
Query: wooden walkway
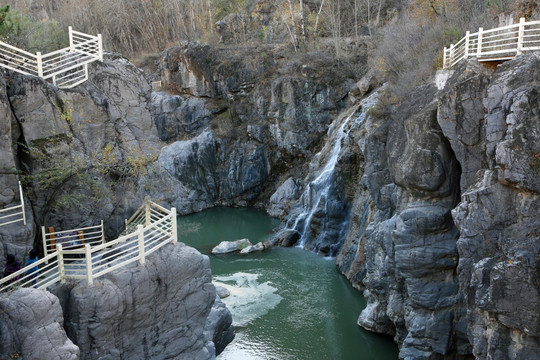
{"x":66,"y":68}
{"x":83,"y":254}
{"x":498,"y":44}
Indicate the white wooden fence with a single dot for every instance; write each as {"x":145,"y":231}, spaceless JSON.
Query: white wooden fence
{"x":89,"y":262}
{"x":15,"y":213}
{"x":73,"y":238}
{"x":67,"y":67}
{"x":502,"y":43}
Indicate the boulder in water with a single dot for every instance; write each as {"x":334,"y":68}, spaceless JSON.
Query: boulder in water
{"x":222,"y":292}
{"x":253,"y":248}
{"x":286,"y":238}
{"x":225,"y":247}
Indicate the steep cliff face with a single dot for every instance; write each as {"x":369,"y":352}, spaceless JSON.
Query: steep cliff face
{"x":498,"y":213}
{"x":431,"y":209}
{"x":396,"y":238}
{"x":442,"y":233}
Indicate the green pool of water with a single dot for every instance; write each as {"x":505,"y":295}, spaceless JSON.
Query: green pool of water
{"x":287,"y":303}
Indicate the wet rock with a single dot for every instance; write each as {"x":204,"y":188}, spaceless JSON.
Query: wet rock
{"x":285,"y":237}
{"x":219,"y":326}
{"x":225,"y":247}
{"x":253,"y":248}
{"x":222,"y":292}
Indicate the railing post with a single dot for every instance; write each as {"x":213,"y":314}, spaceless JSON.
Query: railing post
{"x":89,"y":273}
{"x":70,"y":31}
{"x":479,"y":46}
{"x":174,"y":234}
{"x":521,"y":34}
{"x":102,"y":233}
{"x":147,"y":218}
{"x":444,"y":58}
{"x":61,"y":269}
{"x":44,"y":237}
{"x":140,"y":234}
{"x":39,"y":64}
{"x":22,"y":203}
{"x":451,"y":54}
{"x":466,"y":53}
{"x":100,"y":47}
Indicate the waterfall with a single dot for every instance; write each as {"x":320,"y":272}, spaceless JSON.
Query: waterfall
{"x":322,"y":195}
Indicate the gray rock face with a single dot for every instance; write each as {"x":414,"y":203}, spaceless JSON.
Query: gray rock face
{"x":219,"y":326}
{"x":498,"y":213}
{"x":443,"y":234}
{"x":159,"y":310}
{"x":31,"y":327}
{"x":188,"y":170}
{"x":186,"y":70}
{"x":285,"y":193}
{"x":461,"y":117}
{"x":409,"y":250}
{"x":93,"y":137}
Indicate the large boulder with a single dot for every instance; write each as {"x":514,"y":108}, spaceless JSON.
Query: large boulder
{"x":225,"y":247}
{"x":31,"y":327}
{"x":160,"y":310}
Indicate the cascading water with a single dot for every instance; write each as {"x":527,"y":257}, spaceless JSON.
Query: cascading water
{"x":322,"y":217}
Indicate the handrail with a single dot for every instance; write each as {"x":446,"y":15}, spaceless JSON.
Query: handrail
{"x":12,"y":209}
{"x":72,"y":237}
{"x":83,"y":49}
{"x":501,"y":43}
{"x":93,"y":261}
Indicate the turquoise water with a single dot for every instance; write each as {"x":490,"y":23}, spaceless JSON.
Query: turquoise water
{"x":287,"y":303}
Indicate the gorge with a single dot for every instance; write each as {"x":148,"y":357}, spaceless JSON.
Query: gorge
{"x":428,"y":202}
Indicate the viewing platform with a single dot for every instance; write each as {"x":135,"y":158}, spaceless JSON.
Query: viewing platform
{"x":66,"y":68}
{"x":498,"y":44}
{"x":83,"y":254}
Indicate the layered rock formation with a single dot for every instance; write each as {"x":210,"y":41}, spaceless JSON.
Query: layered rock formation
{"x":497,"y":217}
{"x":441,"y":232}
{"x":431,"y":209}
{"x":164,"y":309}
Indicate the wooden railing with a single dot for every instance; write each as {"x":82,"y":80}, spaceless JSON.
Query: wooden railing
{"x":502,"y":43}
{"x":67,"y":67}
{"x":15,"y":213}
{"x":90,"y":262}
{"x":73,"y":238}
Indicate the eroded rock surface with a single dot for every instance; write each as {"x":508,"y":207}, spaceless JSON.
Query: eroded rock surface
{"x":162,"y":309}
{"x":498,"y":213}
{"x":31,"y":327}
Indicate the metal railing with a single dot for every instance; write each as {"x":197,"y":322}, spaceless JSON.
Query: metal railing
{"x":93,"y":261}
{"x":502,"y":43}
{"x":67,"y":67}
{"x":15,"y":213}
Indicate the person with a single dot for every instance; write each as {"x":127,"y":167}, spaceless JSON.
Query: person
{"x":32,"y":258}
{"x":11,"y":267}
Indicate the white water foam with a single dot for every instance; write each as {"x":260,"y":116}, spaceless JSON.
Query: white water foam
{"x":249,"y":299}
